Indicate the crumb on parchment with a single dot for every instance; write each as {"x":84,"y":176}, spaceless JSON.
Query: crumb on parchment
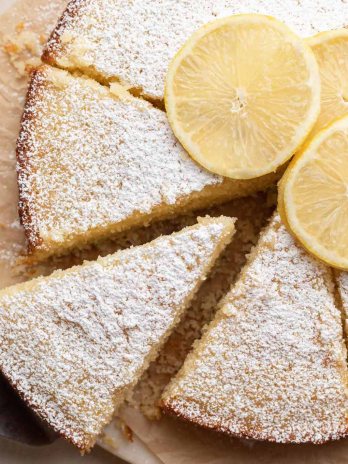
{"x":23,"y":48}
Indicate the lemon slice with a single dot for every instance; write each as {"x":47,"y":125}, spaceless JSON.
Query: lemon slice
{"x":313,"y":195}
{"x":242,"y":94}
{"x":331,"y":51}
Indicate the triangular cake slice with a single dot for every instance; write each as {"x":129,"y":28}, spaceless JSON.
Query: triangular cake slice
{"x":134,"y":41}
{"x":74,"y":343}
{"x":92,"y":163}
{"x":272,"y":365}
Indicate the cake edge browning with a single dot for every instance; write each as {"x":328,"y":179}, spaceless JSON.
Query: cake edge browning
{"x":26,"y":213}
{"x":84,"y":446}
{"x":54,"y":53}
{"x":172,"y":409}
{"x":170,"y":403}
{"x":40,"y":247}
{"x":82,"y":441}
{"x":54,"y":46}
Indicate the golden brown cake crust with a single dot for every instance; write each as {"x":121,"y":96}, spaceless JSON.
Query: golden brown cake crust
{"x":25,"y":211}
{"x":79,"y":186}
{"x":170,"y":409}
{"x":84,"y":446}
{"x":92,"y":330}
{"x":272,"y":365}
{"x":123,"y":40}
{"x":54,"y":43}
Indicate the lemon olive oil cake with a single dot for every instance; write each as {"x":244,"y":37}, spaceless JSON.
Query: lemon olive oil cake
{"x":92,"y":163}
{"x":74,"y":343}
{"x":272,"y":365}
{"x":134,"y":41}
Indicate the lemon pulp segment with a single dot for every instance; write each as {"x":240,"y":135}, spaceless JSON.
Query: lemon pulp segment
{"x":314,"y":195}
{"x":331,"y":51}
{"x":242,"y":95}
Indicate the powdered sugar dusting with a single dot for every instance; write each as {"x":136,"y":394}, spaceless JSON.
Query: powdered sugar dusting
{"x":272,"y":364}
{"x":252,"y":214}
{"x":73,"y":343}
{"x":134,"y":41}
{"x":88,"y":160}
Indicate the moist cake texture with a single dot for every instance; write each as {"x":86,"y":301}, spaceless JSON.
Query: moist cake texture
{"x":92,"y":163}
{"x":133,"y":41}
{"x":74,"y":343}
{"x":342,"y":293}
{"x":252,"y":213}
{"x":272,"y":365}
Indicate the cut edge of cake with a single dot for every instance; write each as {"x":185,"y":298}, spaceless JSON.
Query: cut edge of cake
{"x":215,"y":190}
{"x":78,"y":43}
{"x":55,"y":48}
{"x":174,"y":401}
{"x":341,"y":293}
{"x":81,"y":439}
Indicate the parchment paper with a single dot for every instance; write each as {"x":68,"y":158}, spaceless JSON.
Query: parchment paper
{"x":135,"y":437}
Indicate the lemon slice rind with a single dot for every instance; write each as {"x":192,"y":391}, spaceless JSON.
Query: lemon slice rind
{"x":286,"y":204}
{"x":304,"y":127}
{"x":325,"y":36}
{"x":333,"y":105}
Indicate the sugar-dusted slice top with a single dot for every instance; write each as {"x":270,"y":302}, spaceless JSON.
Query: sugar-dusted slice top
{"x":272,"y":366}
{"x":135,"y":40}
{"x":74,"y":343}
{"x":91,"y":163}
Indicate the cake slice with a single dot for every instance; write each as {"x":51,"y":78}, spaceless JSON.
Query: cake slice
{"x":342,"y":294}
{"x":74,"y":343}
{"x":92,"y":163}
{"x":134,"y":41}
{"x":272,"y":365}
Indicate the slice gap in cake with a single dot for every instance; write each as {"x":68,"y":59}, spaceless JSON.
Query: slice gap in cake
{"x":133,"y":42}
{"x":128,"y":42}
{"x":75,"y":343}
{"x":252,"y":214}
{"x":272,"y":365}
{"x":92,"y":164}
